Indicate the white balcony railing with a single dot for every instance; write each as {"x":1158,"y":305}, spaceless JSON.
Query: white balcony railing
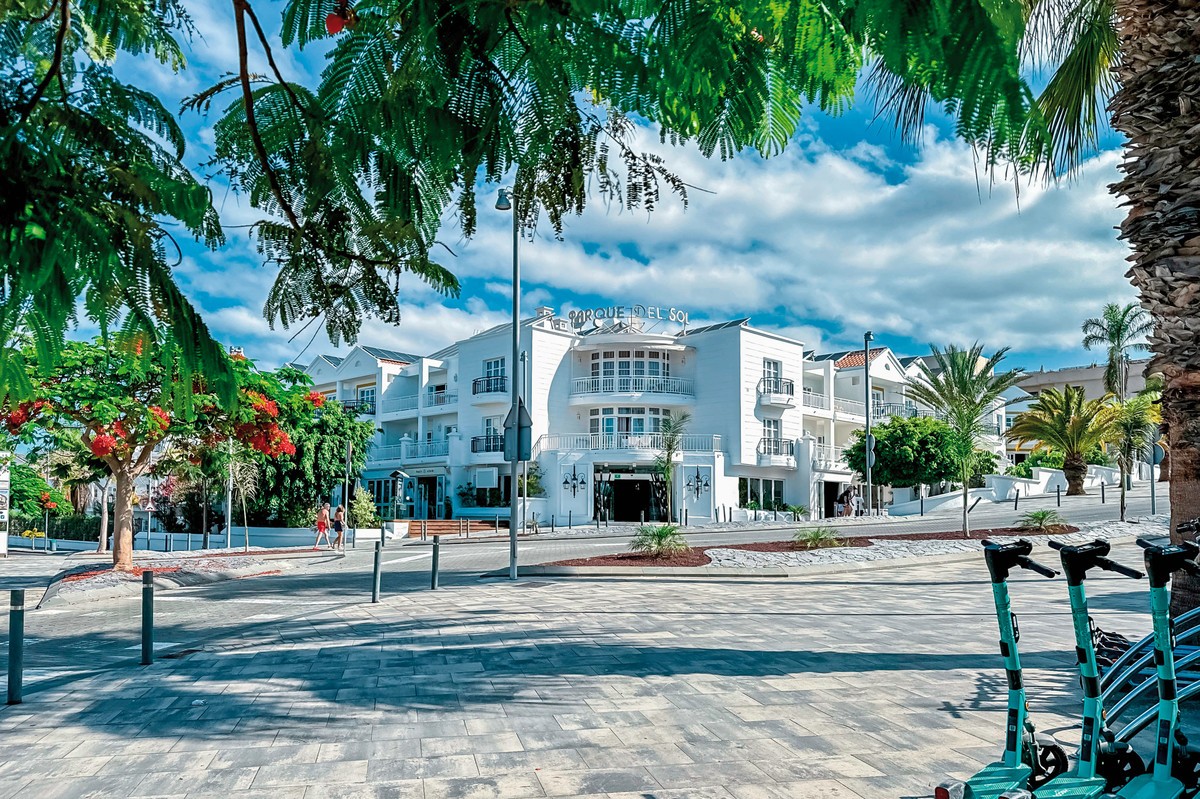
{"x":633,"y":385}
{"x":411,"y":450}
{"x":849,"y":407}
{"x":437,"y":399}
{"x":399,"y":404}
{"x":814,"y":400}
{"x":829,"y":454}
{"x":586,"y":442}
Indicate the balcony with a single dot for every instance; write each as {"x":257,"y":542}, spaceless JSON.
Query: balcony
{"x":489,"y":389}
{"x":400,"y":404}
{"x":849,"y":407}
{"x":777,"y":391}
{"x":487,"y":444}
{"x":777,"y":452}
{"x":815,"y":401}
{"x":410,"y":451}
{"x":439,"y":399}
{"x":366,"y":407}
{"x":650,"y":444}
{"x":661,"y":388}
{"x":828,"y":458}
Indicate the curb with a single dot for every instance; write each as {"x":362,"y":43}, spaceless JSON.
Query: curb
{"x":773,"y":572}
{"x":169,"y":581}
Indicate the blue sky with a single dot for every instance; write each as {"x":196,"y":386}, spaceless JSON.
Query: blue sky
{"x":847,"y":230}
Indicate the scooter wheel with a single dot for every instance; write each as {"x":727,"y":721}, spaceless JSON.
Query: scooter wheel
{"x":1119,"y":767}
{"x":1052,"y":760}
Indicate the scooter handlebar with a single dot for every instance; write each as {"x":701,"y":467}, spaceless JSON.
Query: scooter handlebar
{"x":1033,"y":565}
{"x":1113,"y":566}
{"x":1055,"y":544}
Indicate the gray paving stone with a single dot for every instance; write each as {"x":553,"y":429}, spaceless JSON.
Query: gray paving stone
{"x":471,"y":744}
{"x":506,"y":786}
{"x":182,"y":783}
{"x":344,"y":772}
{"x":401,"y":789}
{"x":596,"y":781}
{"x":422,"y":767}
{"x":698,"y":775}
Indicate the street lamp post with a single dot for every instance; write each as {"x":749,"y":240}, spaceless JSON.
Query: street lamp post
{"x":868,"y":450}
{"x":504,"y":203}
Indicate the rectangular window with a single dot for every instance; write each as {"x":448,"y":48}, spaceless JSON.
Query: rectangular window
{"x":772,"y":370}
{"x":493,"y":426}
{"x":493,"y":367}
{"x":771,"y":429}
{"x":366,"y":394}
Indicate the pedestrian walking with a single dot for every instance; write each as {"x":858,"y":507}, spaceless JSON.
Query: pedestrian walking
{"x":339,"y":527}
{"x":859,"y":504}
{"x":322,"y":526}
{"x":839,"y":504}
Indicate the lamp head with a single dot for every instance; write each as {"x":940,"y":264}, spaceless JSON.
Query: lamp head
{"x":868,"y":337}
{"x":504,"y":200}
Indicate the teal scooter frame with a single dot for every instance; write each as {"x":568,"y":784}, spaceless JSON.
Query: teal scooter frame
{"x":1029,"y":760}
{"x":1102,"y":764}
{"x":1172,"y":758}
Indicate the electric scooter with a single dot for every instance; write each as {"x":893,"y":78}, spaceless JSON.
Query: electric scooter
{"x":1029,"y":760}
{"x":1103,"y":764}
{"x":1173,"y":760}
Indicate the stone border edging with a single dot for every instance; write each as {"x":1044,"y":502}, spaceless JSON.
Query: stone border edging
{"x":773,"y":572}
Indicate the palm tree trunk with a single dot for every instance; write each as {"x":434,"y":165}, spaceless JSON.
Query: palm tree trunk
{"x":966,"y":492}
{"x":1075,"y":469}
{"x":1181,"y":412}
{"x":1157,"y":108}
{"x":1124,"y":474}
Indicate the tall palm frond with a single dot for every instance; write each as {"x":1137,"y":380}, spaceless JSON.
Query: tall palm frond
{"x":1069,"y":422}
{"x":1132,"y":432}
{"x":1120,"y":330}
{"x":964,"y":390}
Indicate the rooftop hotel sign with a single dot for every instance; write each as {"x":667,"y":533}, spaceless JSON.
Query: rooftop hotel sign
{"x":613,"y":314}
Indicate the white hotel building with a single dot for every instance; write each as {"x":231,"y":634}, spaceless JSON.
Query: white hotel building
{"x":768,"y":420}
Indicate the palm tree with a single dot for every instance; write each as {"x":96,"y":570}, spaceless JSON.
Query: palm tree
{"x":673,"y":428}
{"x":1133,"y":429}
{"x":1119,"y":329}
{"x":965,"y":391}
{"x":1069,"y":422}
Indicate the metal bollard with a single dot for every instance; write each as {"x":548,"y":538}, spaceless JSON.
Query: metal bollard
{"x":570,"y":519}
{"x":598,"y":521}
{"x":1058,"y":495}
{"x":685,"y":517}
{"x":642,"y":520}
{"x":1016,"y":499}
{"x":147,"y":617}
{"x":1101,"y":492}
{"x":382,"y":536}
{"x":377,"y":571}
{"x":552,"y":524}
{"x":16,"y":644}
{"x":922,"y":504}
{"x":433,"y":572}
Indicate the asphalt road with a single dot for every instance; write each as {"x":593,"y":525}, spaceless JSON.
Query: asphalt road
{"x":62,"y":641}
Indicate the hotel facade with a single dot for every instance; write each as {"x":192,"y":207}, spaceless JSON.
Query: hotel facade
{"x":768,"y":421}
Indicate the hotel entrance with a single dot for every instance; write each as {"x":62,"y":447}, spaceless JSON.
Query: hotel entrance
{"x":627,"y":495}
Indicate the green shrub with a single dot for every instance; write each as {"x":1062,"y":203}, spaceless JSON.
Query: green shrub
{"x":816,"y":538}
{"x":658,"y":541}
{"x":797,"y":511}
{"x":1042,"y":521}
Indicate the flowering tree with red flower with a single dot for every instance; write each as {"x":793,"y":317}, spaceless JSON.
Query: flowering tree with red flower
{"x":125,"y":402}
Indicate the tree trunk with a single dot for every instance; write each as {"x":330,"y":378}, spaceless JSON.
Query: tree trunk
{"x":1181,"y":412}
{"x":103,"y":544}
{"x":1124,"y":475}
{"x":966,"y":491}
{"x":1164,"y":468}
{"x":123,"y":522}
{"x":1075,"y":469}
{"x":204,"y":534}
{"x":1157,"y":108}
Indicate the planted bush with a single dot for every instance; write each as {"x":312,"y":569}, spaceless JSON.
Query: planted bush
{"x":816,"y":538}
{"x":1042,"y":521}
{"x":658,"y":541}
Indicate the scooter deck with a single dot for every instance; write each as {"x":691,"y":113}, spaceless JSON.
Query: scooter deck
{"x":995,"y":779}
{"x":1069,"y":786}
{"x":1146,"y":787}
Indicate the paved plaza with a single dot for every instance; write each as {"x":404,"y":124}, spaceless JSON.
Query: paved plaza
{"x":870,"y":685}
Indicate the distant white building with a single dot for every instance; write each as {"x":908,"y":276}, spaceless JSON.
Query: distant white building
{"x":1089,"y":378}
{"x":768,"y":421}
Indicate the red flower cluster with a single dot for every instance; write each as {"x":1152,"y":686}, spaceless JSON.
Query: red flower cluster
{"x":315,"y":398}
{"x":270,"y":439}
{"x":48,"y":503}
{"x":163,"y":418}
{"x":262,"y":405}
{"x":103,"y":444}
{"x":22,"y":414}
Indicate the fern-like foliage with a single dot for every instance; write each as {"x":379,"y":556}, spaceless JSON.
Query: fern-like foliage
{"x":421,"y":100}
{"x":90,"y":177}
